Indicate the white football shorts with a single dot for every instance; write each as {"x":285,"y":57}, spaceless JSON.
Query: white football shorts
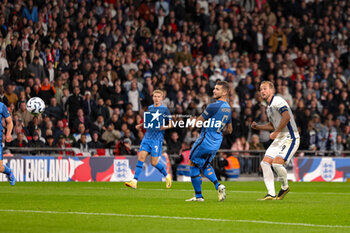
{"x":284,"y":148}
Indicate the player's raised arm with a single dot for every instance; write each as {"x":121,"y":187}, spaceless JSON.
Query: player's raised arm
{"x":206,"y":114}
{"x":266,"y":127}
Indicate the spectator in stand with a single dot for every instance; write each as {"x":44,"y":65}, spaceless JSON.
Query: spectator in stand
{"x":23,"y":114}
{"x":89,"y":105}
{"x":51,"y":72}
{"x":64,"y":146}
{"x":19,"y":142}
{"x":255,"y":144}
{"x":36,"y":70}
{"x":82,"y":119}
{"x":184,"y":56}
{"x":54,"y":110}
{"x":326,"y":137}
{"x":101,"y":109}
{"x":74,"y":102}
{"x":134,"y":97}
{"x":339,"y":146}
{"x":30,"y":12}
{"x":19,"y":75}
{"x":123,"y":147}
{"x":46,"y":91}
{"x":69,"y":138}
{"x":95,"y":142}
{"x":115,"y":120}
{"x":13,"y":50}
{"x":80,"y":131}
{"x":82,"y":144}
{"x":111,"y":135}
{"x":191,"y":136}
{"x":58,"y":130}
{"x":241,"y":146}
{"x":36,"y":143}
{"x":11,"y":97}
{"x":216,"y":76}
{"x":105,"y":49}
{"x":59,"y":90}
{"x":50,"y":143}
{"x":174,"y":144}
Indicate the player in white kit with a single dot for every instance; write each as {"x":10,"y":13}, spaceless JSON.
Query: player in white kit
{"x":285,"y":140}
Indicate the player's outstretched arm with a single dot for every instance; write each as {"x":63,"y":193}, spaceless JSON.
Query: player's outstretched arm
{"x":267,"y":127}
{"x":9,"y":127}
{"x":283,"y":123}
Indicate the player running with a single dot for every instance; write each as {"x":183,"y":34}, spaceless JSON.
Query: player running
{"x":152,"y":142}
{"x":286,"y":140}
{"x":8,"y":138}
{"x":206,"y":146}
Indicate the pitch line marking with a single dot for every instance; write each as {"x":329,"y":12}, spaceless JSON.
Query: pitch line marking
{"x":237,"y":191}
{"x":175,"y":217}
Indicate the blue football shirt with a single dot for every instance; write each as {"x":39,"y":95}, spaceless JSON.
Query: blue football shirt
{"x":154,"y":118}
{"x":218,"y":114}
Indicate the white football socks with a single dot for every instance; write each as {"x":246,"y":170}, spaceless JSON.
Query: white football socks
{"x":282,"y":174}
{"x":268,"y":178}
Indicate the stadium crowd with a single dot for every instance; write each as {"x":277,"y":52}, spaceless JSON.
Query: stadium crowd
{"x":95,"y":63}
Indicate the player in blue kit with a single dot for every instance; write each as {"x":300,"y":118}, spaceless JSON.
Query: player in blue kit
{"x":152,"y":142}
{"x":217,"y":115}
{"x":8,"y":138}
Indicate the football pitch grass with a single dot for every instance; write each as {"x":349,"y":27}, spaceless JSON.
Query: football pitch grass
{"x":111,"y":207}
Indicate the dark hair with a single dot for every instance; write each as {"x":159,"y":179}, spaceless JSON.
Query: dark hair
{"x":224,"y":85}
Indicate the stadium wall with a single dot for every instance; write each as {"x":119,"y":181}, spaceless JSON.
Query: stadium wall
{"x":119,"y":168}
{"x":329,"y":169}
{"x":80,"y":169}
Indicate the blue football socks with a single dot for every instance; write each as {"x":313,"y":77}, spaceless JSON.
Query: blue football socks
{"x":7,"y":170}
{"x":138,"y":169}
{"x":210,"y":174}
{"x":196,"y":181}
{"x":161,"y":168}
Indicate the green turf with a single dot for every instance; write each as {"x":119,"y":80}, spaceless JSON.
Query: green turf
{"x":309,"y":203}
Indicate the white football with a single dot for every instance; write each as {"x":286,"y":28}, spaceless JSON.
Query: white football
{"x":35,"y":105}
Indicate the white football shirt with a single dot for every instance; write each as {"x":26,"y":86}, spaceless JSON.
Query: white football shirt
{"x":274,"y":110}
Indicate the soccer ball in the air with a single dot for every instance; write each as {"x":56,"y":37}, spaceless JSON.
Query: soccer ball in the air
{"x":35,"y":106}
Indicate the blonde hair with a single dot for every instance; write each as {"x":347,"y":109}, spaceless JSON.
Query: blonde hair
{"x":159,"y":92}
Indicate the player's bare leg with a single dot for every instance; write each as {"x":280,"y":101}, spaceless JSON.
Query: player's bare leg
{"x":154,"y":161}
{"x":141,"y":159}
{"x":268,"y":178}
{"x":281,"y":171}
